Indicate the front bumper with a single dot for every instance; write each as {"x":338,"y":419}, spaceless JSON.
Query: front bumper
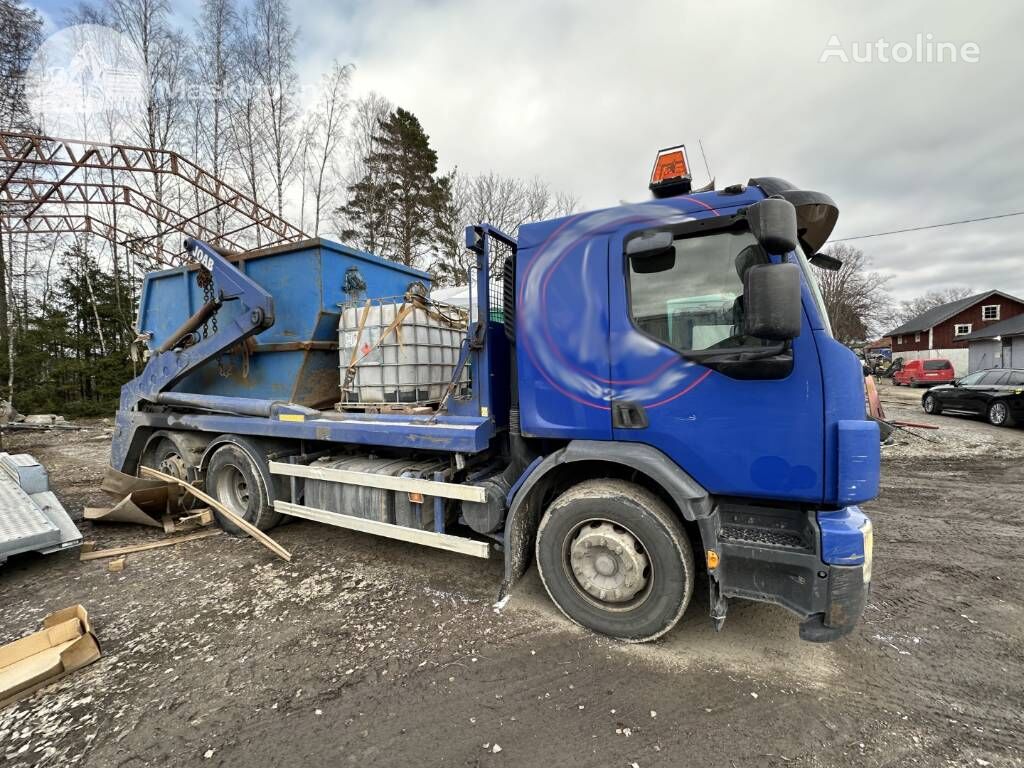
{"x":818,"y":565}
{"x":848,"y":594}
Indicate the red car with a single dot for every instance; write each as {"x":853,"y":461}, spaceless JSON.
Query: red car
{"x":924,"y":373}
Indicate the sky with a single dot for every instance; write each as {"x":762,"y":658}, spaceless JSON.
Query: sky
{"x":584,"y":93}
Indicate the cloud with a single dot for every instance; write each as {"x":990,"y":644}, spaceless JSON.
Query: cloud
{"x":584,"y":93}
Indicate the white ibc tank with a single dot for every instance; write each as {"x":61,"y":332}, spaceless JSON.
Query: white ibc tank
{"x":403,"y":352}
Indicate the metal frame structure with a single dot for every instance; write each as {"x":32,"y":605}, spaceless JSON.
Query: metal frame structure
{"x":46,"y":182}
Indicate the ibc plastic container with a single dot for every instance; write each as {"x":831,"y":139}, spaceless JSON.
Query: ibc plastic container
{"x":404,"y":352}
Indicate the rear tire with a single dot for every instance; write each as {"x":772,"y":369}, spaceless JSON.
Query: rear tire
{"x":615,"y":559}
{"x":237,"y":476}
{"x":931,"y":405}
{"x":999,"y":414}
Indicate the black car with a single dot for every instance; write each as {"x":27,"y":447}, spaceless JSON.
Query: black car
{"x":997,"y":394}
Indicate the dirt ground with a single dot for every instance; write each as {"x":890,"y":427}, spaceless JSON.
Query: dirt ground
{"x":369,"y":652}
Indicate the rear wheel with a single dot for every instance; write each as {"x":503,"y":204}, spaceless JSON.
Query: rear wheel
{"x":238,"y":478}
{"x":931,"y":405}
{"x":615,"y":559}
{"x":999,"y":414}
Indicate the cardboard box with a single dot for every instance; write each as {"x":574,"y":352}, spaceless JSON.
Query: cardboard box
{"x":65,"y":644}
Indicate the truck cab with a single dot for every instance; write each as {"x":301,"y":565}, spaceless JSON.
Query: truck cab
{"x":634,"y":344}
{"x":646,"y":398}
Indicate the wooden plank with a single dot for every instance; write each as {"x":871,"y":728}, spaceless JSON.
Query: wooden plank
{"x":99,"y":554}
{"x":245,"y":525}
{"x":387,"y":482}
{"x":426,"y":538}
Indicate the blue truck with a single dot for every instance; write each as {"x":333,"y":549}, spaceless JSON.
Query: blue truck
{"x":640,"y":399}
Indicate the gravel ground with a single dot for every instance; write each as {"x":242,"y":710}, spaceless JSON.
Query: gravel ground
{"x":370,"y":652}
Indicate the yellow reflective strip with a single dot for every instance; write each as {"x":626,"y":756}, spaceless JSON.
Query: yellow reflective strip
{"x":291,"y":417}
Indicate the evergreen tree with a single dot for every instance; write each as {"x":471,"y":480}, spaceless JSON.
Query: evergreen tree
{"x":68,"y":363}
{"x":396,"y":208}
{"x":451,"y":262}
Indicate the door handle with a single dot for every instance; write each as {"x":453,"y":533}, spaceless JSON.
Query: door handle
{"x":628,"y":415}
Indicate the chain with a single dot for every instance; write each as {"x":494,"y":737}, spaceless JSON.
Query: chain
{"x":205,"y":281}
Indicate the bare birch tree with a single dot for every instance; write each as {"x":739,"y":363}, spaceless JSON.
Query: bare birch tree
{"x":325,"y":131}
{"x":274,"y":37}
{"x":364,"y":129}
{"x":247,"y":129}
{"x":217,"y":73}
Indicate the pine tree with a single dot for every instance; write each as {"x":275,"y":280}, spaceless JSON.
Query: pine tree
{"x":395,"y":209}
{"x":451,"y":262}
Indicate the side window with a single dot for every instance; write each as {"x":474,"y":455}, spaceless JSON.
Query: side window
{"x":974,"y":378}
{"x":1017,"y":378}
{"x":995,"y":378}
{"x":692,"y":297}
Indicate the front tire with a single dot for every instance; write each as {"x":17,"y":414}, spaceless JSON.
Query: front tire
{"x":931,"y":405}
{"x":999,"y":414}
{"x":238,"y":478}
{"x":615,"y":559}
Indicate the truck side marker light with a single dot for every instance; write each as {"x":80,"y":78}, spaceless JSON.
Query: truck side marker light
{"x":291,"y":417}
{"x":713,"y":559}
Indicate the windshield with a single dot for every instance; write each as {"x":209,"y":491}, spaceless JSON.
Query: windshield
{"x":812,"y":283}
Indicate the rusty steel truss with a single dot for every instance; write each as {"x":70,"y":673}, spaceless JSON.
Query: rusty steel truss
{"x":135,"y":196}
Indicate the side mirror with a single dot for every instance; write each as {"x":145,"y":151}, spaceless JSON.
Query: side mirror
{"x":651,"y":252}
{"x":771,"y":301}
{"x":955,"y":382}
{"x":773,"y":224}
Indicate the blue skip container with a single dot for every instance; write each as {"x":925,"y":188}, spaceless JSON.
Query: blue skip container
{"x":296,"y":359}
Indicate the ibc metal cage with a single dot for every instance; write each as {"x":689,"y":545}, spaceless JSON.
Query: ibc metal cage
{"x":400,"y":351}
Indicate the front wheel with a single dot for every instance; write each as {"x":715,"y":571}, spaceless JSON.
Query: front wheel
{"x":615,"y":559}
{"x":999,"y":414}
{"x":931,"y":405}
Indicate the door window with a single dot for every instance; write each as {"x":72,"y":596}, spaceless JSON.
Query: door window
{"x":692,"y":297}
{"x":973,"y":378}
{"x":1016,"y":378}
{"x":995,"y":378}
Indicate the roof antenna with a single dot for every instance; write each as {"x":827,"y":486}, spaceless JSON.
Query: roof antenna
{"x":710,"y":187}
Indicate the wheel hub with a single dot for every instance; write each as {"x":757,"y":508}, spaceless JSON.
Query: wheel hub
{"x":998,"y":413}
{"x":232,"y":490}
{"x":608,"y":563}
{"x":172,"y":464}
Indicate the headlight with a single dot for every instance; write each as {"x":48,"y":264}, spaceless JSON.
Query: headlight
{"x":869,"y":543}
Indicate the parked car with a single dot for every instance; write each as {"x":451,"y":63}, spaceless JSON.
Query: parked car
{"x":997,"y":394}
{"x":924,"y":373}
